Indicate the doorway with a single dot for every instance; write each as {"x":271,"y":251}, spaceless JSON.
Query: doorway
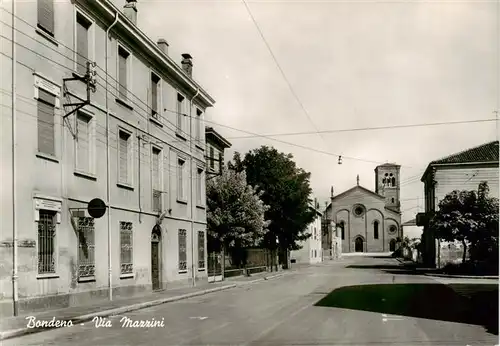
{"x":358,"y":244}
{"x":392,"y":245}
{"x":156,"y":258}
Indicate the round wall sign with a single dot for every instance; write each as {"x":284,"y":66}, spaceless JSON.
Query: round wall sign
{"x":96,"y":208}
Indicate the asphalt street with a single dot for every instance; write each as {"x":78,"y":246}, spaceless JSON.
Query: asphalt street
{"x":285,"y":311}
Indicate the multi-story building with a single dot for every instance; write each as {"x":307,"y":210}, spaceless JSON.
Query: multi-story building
{"x":460,"y":171}
{"x":311,"y":250}
{"x":136,"y":142}
{"x":215,"y":147}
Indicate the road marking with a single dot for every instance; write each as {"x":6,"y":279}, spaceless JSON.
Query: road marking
{"x":199,"y":318}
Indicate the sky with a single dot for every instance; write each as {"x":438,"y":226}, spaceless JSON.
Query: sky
{"x":345,"y":65}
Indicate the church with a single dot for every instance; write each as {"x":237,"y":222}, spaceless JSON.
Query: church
{"x":368,"y":221}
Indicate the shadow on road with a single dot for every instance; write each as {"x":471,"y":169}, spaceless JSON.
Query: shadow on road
{"x":462,"y":303}
{"x":377,"y":266}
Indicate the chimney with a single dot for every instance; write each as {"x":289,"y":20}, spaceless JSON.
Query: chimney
{"x":163,"y":45}
{"x":130,"y":10}
{"x":187,"y":64}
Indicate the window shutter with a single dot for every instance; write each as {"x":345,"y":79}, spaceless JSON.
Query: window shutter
{"x":122,"y":73}
{"x":82,"y":45}
{"x":83,"y":144}
{"x":156,"y":169}
{"x":46,"y":15}
{"x":124,"y":157}
{"x":154,"y":96}
{"x":45,"y":110}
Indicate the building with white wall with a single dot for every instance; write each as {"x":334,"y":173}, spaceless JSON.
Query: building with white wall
{"x":311,"y":249}
{"x":138,"y":144}
{"x":460,"y":171}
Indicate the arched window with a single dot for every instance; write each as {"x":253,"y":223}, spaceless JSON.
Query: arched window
{"x":393,"y":181}
{"x":392,"y":200}
{"x":342,"y":230}
{"x":375,"y":230}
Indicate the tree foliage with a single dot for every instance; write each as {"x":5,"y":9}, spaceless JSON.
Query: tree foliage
{"x":285,"y":189}
{"x":469,"y":217}
{"x":235,"y":213}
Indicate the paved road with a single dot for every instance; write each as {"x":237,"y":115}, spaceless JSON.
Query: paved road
{"x":283,"y":312}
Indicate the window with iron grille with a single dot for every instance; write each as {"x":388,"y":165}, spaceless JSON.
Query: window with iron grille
{"x":201,"y":250}
{"x":198,"y":125}
{"x":86,"y":253}
{"x":46,"y":242}
{"x":182,"y":250}
{"x":46,"y":16}
{"x":46,"y":129}
{"x":156,"y":162}
{"x":126,"y":248}
{"x":199,"y":187}
{"x":212,"y":161}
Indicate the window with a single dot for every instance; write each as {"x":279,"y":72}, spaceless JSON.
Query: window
{"x":46,"y":16}
{"x":315,"y":254}
{"x":220,"y":163}
{"x":180,"y":179}
{"x":156,"y":162}
{"x":86,"y":257}
{"x":314,"y":233}
{"x":123,"y":58}
{"x":84,"y":142}
{"x":393,"y":182}
{"x":392,"y":200}
{"x":198,"y":125}
{"x":155,"y":95}
{"x":124,"y":149}
{"x":46,"y":129}
{"x":199,"y":187}
{"x":392,"y":229}
{"x":358,"y":210}
{"x":342,"y":229}
{"x":182,"y":250}
{"x":83,"y":26}
{"x":212,"y":161}
{"x":46,"y":242}
{"x":201,"y":250}
{"x":375,"y":230}
{"x":126,"y":248}
{"x":180,"y":112}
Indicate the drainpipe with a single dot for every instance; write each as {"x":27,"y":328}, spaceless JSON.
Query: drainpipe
{"x":191,"y":183}
{"x":15,"y":296}
{"x":108,"y":168}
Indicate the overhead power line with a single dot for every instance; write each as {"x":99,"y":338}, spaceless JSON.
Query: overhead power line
{"x":373,"y":128}
{"x":282,"y":72}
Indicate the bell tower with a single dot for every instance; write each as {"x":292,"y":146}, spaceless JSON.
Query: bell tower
{"x":387,"y":184}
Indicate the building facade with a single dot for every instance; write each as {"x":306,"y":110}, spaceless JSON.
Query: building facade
{"x":460,"y":171}
{"x":311,"y":250}
{"x":132,"y":136}
{"x":369,"y":221}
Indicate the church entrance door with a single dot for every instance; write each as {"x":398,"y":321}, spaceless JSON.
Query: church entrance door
{"x":358,"y":244}
{"x":392,"y":245}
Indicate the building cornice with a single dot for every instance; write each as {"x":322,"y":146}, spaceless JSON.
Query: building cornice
{"x":434,"y":166}
{"x":152,"y":50}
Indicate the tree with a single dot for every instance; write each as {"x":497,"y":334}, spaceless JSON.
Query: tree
{"x":468,"y":217}
{"x":285,"y":189}
{"x":235,"y":213}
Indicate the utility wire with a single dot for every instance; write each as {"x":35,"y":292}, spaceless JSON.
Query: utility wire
{"x":373,"y":128}
{"x":281,"y":70}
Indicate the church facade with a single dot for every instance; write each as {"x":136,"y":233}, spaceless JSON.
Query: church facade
{"x":366,"y":220}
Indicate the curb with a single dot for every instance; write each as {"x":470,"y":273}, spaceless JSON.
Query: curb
{"x":85,"y":318}
{"x":487,"y":277}
{"x":262,"y":279}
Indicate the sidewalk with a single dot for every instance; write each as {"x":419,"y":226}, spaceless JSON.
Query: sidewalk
{"x":17,"y":326}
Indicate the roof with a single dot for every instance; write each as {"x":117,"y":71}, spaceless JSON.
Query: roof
{"x":485,"y":153}
{"x":362,"y":188}
{"x":387,"y":165}
{"x":212,"y":135}
{"x":412,"y":222}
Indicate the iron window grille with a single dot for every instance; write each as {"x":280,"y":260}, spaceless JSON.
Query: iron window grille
{"x":46,"y":242}
{"x":126,"y":248}
{"x":86,"y":247}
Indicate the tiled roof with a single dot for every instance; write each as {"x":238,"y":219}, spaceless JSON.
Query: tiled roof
{"x":484,"y":153}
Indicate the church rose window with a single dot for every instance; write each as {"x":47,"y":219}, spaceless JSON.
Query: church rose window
{"x":358,"y":210}
{"x":392,"y":229}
